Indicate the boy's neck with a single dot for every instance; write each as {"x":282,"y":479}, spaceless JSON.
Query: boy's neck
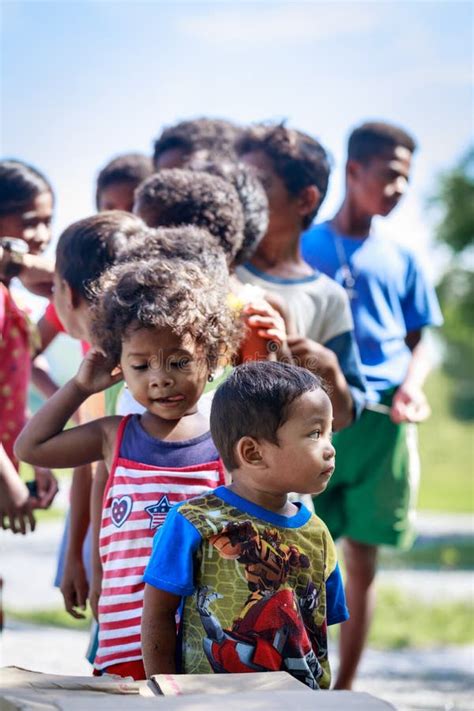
{"x":276,"y":503}
{"x":351,"y":221}
{"x":279,"y":254}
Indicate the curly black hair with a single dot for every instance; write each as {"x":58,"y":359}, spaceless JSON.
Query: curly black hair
{"x":210,"y":136}
{"x":160,"y":293}
{"x":187,"y":243}
{"x":253,"y":199}
{"x":131,"y":168}
{"x":175,"y":197}
{"x":299,"y":160}
{"x":20,"y":183}
{"x":90,"y":246}
{"x":375,"y":138}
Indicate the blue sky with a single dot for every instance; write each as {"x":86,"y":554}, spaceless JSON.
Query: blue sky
{"x":82,"y":81}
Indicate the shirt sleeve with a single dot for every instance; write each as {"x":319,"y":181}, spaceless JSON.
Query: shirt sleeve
{"x":419,"y":303}
{"x":347,"y":351}
{"x":171,"y":565}
{"x":52,"y":317}
{"x":336,"y":608}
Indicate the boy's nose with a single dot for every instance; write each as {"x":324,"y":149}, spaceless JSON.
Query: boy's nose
{"x":329,"y":452}
{"x":159,"y":377}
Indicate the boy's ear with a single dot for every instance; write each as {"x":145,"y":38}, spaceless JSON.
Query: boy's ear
{"x":249,"y":452}
{"x":353,"y":169}
{"x":308,"y":200}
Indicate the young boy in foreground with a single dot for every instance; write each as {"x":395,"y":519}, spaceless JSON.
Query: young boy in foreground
{"x":255,"y":576}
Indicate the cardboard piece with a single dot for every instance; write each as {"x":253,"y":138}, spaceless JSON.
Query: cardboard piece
{"x":179,"y":684}
{"x":21,"y":690}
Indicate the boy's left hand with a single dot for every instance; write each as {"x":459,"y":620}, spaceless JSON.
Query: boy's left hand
{"x":311,"y":355}
{"x":409,"y":405}
{"x":46,"y":486}
{"x":262,"y":316}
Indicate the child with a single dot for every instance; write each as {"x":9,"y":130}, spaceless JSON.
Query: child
{"x":26,"y":207}
{"x":165,"y":325}
{"x":84,"y":251}
{"x":257,"y":575}
{"x":183,"y":197}
{"x":294,"y":170}
{"x":371,"y":498}
{"x":118,"y":179}
{"x":201,"y":138}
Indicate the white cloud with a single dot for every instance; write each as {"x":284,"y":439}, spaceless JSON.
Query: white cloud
{"x":267,"y":24}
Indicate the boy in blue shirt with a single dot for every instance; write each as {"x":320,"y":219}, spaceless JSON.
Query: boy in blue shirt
{"x":255,"y":576}
{"x":371,"y":498}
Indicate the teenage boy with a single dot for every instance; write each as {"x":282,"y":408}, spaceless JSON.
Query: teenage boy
{"x":257,"y":574}
{"x":294,"y":170}
{"x":371,"y":498}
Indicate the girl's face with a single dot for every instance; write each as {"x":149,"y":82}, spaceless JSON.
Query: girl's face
{"x":32,"y":223}
{"x":164,"y":372}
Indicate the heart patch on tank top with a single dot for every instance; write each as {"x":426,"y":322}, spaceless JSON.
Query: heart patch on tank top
{"x":120,"y":510}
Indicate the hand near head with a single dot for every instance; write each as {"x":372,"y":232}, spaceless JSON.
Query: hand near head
{"x":268,"y":322}
{"x":409,"y":405}
{"x":311,"y":355}
{"x":96,"y":373}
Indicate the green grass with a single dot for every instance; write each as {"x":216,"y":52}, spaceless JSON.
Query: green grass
{"x":54,"y":617}
{"x":447,"y":454}
{"x":451,"y":554}
{"x":402,"y":621}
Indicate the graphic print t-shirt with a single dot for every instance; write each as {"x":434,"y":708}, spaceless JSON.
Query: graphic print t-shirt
{"x":259,"y":589}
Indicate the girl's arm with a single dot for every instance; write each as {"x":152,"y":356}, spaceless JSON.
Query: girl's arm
{"x":74,"y":585}
{"x":44,"y":442}
{"x":99,"y":483}
{"x":159,"y":631}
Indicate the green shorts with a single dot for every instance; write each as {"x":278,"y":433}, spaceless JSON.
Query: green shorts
{"x":372,"y":494}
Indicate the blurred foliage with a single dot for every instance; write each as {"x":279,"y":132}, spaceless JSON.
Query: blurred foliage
{"x":455,"y":198}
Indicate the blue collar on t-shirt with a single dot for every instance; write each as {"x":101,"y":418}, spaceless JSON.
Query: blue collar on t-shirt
{"x":299,"y":519}
{"x":276,"y":279}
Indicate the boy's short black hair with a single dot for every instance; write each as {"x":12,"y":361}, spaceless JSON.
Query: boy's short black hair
{"x":130,"y":168}
{"x":20,"y":183}
{"x":374,"y":139}
{"x":160,"y":293}
{"x":175,"y":197}
{"x":215,"y":136}
{"x":255,"y":401}
{"x":88,"y":247}
{"x":188,"y":243}
{"x":253,"y":200}
{"x":299,"y":160}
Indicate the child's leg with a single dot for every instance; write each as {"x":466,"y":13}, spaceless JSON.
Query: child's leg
{"x":361,"y":564}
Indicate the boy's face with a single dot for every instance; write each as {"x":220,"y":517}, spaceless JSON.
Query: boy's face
{"x":376,"y":187}
{"x":164,"y":372}
{"x":117,"y":196}
{"x":32,"y":224}
{"x":303,"y":460}
{"x":284,"y":208}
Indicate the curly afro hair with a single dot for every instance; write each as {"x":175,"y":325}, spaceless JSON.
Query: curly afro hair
{"x":214,"y":137}
{"x":188,"y":243}
{"x":253,"y":199}
{"x":160,"y":293}
{"x":176,"y":197}
{"x":299,"y":160}
{"x":131,"y":168}
{"x":90,"y":246}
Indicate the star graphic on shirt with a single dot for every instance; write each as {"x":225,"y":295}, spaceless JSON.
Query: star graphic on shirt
{"x":158,"y":512}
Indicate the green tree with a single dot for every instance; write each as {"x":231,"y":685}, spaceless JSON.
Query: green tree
{"x":455,"y":198}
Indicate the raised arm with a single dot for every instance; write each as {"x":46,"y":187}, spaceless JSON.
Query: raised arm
{"x":44,"y":442}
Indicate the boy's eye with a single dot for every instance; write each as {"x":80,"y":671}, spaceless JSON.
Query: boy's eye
{"x":180,"y":363}
{"x":316,"y":434}
{"x":143,"y":366}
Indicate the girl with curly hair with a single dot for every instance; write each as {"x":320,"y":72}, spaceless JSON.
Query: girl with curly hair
{"x":162,"y":326}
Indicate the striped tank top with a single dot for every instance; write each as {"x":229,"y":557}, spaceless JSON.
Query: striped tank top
{"x":147,"y":478}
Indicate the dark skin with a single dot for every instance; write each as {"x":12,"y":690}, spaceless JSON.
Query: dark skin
{"x":279,"y":254}
{"x":374,"y":188}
